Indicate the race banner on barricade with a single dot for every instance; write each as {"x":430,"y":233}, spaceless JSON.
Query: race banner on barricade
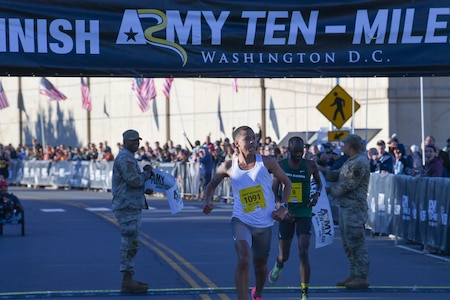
{"x":98,"y":171}
{"x":437,"y":212}
{"x":61,"y":173}
{"x":322,"y":218}
{"x":224,"y":191}
{"x":42,"y":172}
{"x":181,"y":175}
{"x":402,"y":209}
{"x":28,"y":173}
{"x":192,"y":179}
{"x":381,"y":202}
{"x":108,"y":172}
{"x":420,"y":203}
{"x":80,"y":174}
{"x":164,"y":182}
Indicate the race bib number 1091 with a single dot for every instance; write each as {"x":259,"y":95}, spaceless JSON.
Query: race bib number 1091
{"x":252,"y":198}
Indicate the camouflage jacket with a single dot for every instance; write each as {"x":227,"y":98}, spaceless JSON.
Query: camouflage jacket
{"x":128,"y":182}
{"x":352,"y":182}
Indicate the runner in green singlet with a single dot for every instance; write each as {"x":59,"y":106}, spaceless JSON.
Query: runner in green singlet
{"x":300,"y":203}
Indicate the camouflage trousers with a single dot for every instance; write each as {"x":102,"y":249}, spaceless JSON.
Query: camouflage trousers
{"x":130,"y":230}
{"x":352,"y":227}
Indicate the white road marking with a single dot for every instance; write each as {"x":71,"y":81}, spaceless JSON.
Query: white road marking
{"x":52,"y":210}
{"x":98,"y":209}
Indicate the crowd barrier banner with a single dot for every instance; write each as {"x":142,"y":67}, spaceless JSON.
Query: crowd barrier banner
{"x":80,"y":174}
{"x":381,"y":203}
{"x":61,"y":173}
{"x":42,"y":172}
{"x":420,"y":199}
{"x":100,"y":174}
{"x":403,"y":211}
{"x":414,"y":208}
{"x":437,"y":213}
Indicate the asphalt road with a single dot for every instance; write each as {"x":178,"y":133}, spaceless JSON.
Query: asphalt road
{"x":70,"y":250}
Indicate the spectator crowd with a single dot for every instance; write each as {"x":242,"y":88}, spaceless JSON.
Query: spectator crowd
{"x":387,"y":157}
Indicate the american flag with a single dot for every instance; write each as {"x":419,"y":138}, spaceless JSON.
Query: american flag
{"x":3,"y":100}
{"x":47,"y":88}
{"x":86,"y":99}
{"x":235,"y":85}
{"x":167,"y":86}
{"x":144,"y":89}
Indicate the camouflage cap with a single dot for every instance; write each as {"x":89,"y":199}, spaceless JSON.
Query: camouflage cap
{"x":355,"y":141}
{"x":131,"y":135}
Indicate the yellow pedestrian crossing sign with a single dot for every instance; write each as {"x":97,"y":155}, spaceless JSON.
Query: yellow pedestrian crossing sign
{"x":337,"y":106}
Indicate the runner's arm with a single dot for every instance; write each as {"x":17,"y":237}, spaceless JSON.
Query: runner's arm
{"x":221,"y":173}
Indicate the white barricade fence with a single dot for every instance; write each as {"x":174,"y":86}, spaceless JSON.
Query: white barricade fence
{"x":80,"y":174}
{"x":413,"y":208}
{"x":61,"y":173}
{"x":100,"y":174}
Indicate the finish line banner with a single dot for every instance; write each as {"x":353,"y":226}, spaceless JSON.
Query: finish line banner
{"x":312,"y":38}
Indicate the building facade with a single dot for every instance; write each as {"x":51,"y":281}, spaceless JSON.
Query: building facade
{"x":199,"y":107}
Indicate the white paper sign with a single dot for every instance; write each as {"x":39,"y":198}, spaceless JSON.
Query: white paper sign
{"x":322,"y":219}
{"x":163,"y":182}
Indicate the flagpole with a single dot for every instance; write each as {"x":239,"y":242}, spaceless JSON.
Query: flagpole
{"x":367,"y":109}
{"x":307,"y":108}
{"x":20,"y":111}
{"x":167,"y":118}
{"x":42,"y":122}
{"x":422,"y":125}
{"x":88,"y":114}
{"x":263,"y":110}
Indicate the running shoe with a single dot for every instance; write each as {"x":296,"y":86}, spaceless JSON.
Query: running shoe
{"x":274,"y":274}
{"x":253,"y":294}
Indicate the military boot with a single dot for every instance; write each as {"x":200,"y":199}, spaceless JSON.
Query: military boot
{"x":357,"y":283}
{"x":345,"y":281}
{"x":132,"y":286}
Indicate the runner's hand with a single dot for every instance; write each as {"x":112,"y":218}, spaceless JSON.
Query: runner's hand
{"x":208,"y":207}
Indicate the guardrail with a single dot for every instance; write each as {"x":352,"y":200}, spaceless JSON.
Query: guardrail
{"x":413,"y":208}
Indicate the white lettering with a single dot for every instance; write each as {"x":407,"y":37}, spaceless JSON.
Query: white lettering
{"x":40,"y":36}
{"x":253,"y":17}
{"x":433,"y":24}
{"x":374,"y":56}
{"x":216,"y":25}
{"x":192,"y":23}
{"x":2,"y":35}
{"x":57,"y":31}
{"x":353,"y":56}
{"x":408,"y":38}
{"x":395,"y":26}
{"x":376,"y":31}
{"x":298,"y":23}
{"x":82,"y":36}
{"x":271,"y":28}
{"x":19,"y":36}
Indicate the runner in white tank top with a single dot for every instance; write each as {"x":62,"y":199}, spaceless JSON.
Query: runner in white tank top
{"x":254,"y":204}
{"x":254,"y":200}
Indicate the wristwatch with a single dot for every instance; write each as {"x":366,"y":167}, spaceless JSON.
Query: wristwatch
{"x":284,"y":204}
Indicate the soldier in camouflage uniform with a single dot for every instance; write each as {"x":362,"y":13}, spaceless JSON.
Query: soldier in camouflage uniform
{"x":351,"y":194}
{"x":128,"y":183}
